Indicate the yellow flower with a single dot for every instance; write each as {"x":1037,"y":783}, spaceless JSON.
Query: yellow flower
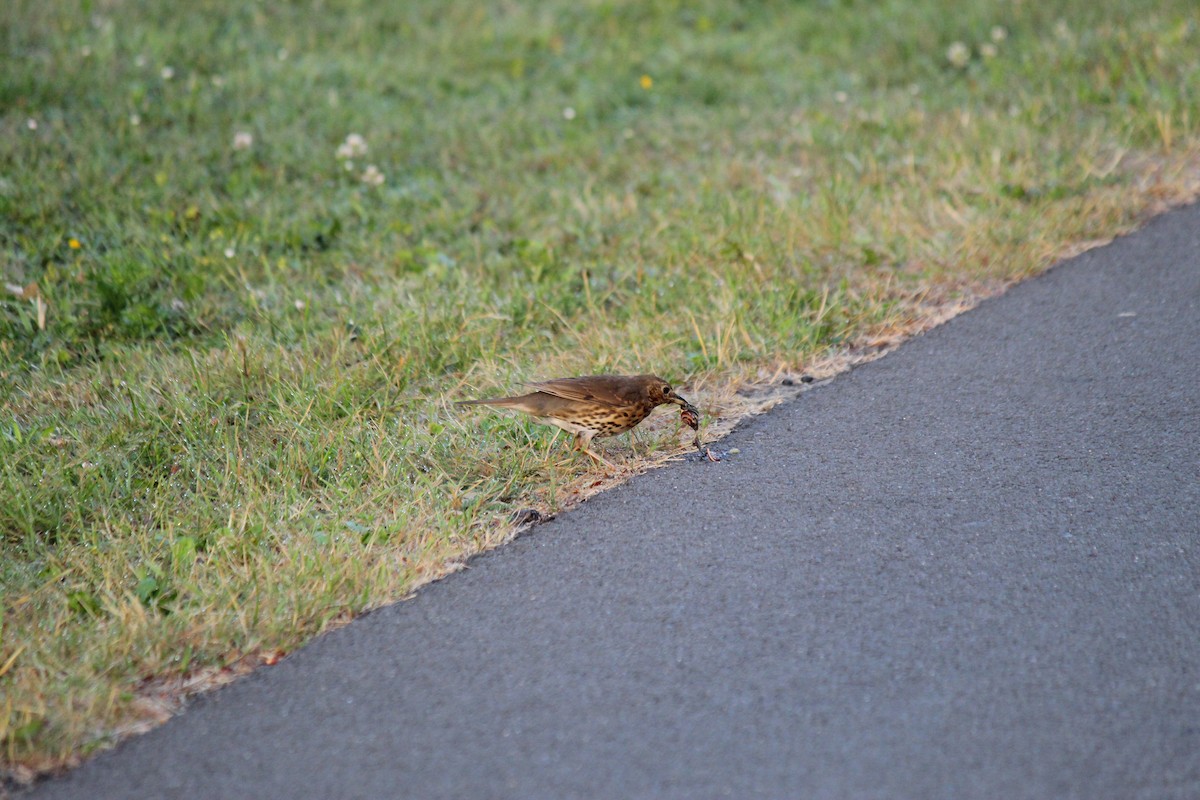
{"x":73,"y":243}
{"x":646,"y":81}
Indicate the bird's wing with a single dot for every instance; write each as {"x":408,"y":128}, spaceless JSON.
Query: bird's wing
{"x":603,"y":389}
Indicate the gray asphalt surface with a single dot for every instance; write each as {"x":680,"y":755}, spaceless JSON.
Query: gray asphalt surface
{"x":970,"y":569}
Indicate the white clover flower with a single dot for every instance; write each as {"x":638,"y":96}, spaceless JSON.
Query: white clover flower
{"x":230,"y":252}
{"x":300,"y":305}
{"x":958,"y":54}
{"x":135,"y":119}
{"x":568,"y":113}
{"x":167,"y":72}
{"x":31,"y":123}
{"x":354,"y":146}
{"x":243,"y":140}
{"x":999,"y":33}
{"x":988,"y":50}
{"x":372,"y":176}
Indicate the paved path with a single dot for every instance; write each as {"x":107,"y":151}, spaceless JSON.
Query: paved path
{"x":968,"y":570}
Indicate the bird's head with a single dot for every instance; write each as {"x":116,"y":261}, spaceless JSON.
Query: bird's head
{"x":661,"y":392}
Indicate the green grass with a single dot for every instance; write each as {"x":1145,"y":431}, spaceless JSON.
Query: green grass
{"x":225,"y":371}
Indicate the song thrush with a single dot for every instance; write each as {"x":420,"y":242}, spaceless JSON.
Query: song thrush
{"x":591,"y":406}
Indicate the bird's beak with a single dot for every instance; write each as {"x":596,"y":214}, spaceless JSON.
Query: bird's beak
{"x":679,"y":401}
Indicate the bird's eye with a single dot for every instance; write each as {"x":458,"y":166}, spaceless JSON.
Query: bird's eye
{"x":666,"y":390}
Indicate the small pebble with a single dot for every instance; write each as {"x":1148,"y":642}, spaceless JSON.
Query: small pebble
{"x":788,"y":382}
{"x":733,"y":451}
{"x":806,"y":378}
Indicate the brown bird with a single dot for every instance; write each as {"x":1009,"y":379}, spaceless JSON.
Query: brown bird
{"x":591,"y":406}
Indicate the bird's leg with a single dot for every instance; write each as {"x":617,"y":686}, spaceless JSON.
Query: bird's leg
{"x":633,"y":441}
{"x":602,"y":460}
{"x":583,"y":443}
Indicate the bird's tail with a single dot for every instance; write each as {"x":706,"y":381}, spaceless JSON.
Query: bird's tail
{"x":495,"y":401}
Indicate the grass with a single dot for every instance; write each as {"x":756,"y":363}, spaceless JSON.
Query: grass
{"x":227,"y":352}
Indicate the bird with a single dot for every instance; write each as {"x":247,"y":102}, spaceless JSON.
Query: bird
{"x":591,"y":405}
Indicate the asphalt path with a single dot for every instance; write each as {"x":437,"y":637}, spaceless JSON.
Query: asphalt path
{"x":970,"y":569}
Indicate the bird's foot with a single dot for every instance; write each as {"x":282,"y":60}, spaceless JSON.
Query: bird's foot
{"x":599,"y":459}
